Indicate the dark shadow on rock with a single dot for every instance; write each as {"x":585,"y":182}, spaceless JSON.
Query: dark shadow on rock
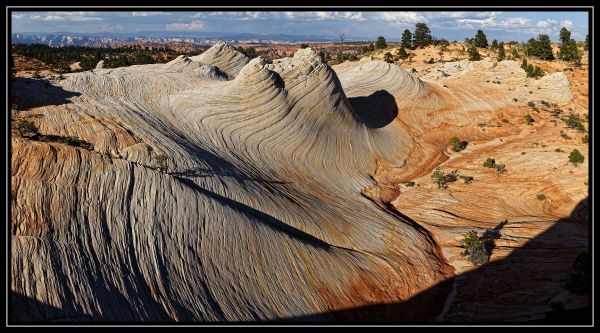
{"x":513,"y":286}
{"x":228,"y":172}
{"x":376,"y":110}
{"x":29,"y":93}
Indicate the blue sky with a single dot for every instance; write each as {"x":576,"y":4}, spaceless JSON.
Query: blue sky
{"x":454,"y":25}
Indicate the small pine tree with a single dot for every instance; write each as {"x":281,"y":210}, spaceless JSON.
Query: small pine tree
{"x":501,"y":52}
{"x":422,"y":36}
{"x":407,"y":39}
{"x":388,"y":57}
{"x":473,"y":53}
{"x":380,"y":43}
{"x":494,"y":44}
{"x":480,"y":39}
{"x":402,"y":53}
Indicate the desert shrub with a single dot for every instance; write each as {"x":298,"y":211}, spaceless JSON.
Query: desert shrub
{"x":574,"y":121}
{"x":439,"y":177}
{"x":409,"y":184}
{"x":500,"y":168}
{"x":531,"y":104}
{"x":402,"y":54}
{"x":541,"y":197}
{"x":475,"y":249}
{"x":458,"y":145}
{"x":27,"y":129}
{"x":161,"y":162}
{"x":388,"y":57}
{"x":466,"y":179}
{"x":473,"y":53}
{"x":558,"y":150}
{"x":585,"y":139}
{"x":565,"y":136}
{"x":575,"y":157}
{"x":528,"y":119}
{"x":556,"y":113}
{"x":546,"y":104}
{"x":504,"y":120}
{"x":489,"y":163}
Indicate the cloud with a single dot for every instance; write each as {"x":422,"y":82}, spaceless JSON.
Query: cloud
{"x":402,"y":17}
{"x":192,"y":26}
{"x":566,"y":23}
{"x":149,"y":13}
{"x":60,"y":16}
{"x":321,"y":16}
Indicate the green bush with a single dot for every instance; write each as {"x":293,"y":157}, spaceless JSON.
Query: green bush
{"x":439,"y":177}
{"x":475,"y":249}
{"x":574,"y":121}
{"x":575,"y":157}
{"x":388,"y":57}
{"x":585,"y":139}
{"x":541,"y":197}
{"x":27,"y":129}
{"x":466,"y":179}
{"x":528,"y":119}
{"x":565,"y":136}
{"x":473,"y":53}
{"x":500,"y":168}
{"x":458,"y":145}
{"x":161,"y":162}
{"x":504,"y":120}
{"x":489,"y":163}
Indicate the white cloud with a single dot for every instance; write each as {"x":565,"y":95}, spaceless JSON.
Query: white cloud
{"x":149,"y":13}
{"x":546,"y":24}
{"x":401,"y":17}
{"x":62,"y":16}
{"x":321,"y":16}
{"x":566,"y":23}
{"x":192,"y":26}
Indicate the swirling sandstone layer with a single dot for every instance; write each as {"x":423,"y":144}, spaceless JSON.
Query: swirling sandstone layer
{"x":264,"y":211}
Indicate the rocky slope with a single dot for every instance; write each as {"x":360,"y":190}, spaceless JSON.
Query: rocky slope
{"x":278,"y":200}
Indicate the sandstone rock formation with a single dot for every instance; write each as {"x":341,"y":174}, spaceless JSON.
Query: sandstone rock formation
{"x":263,"y":211}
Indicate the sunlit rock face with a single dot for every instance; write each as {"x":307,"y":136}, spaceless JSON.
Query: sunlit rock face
{"x":266,"y":209}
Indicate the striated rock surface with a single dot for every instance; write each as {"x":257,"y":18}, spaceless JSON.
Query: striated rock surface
{"x":278,"y":200}
{"x":225,"y":57}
